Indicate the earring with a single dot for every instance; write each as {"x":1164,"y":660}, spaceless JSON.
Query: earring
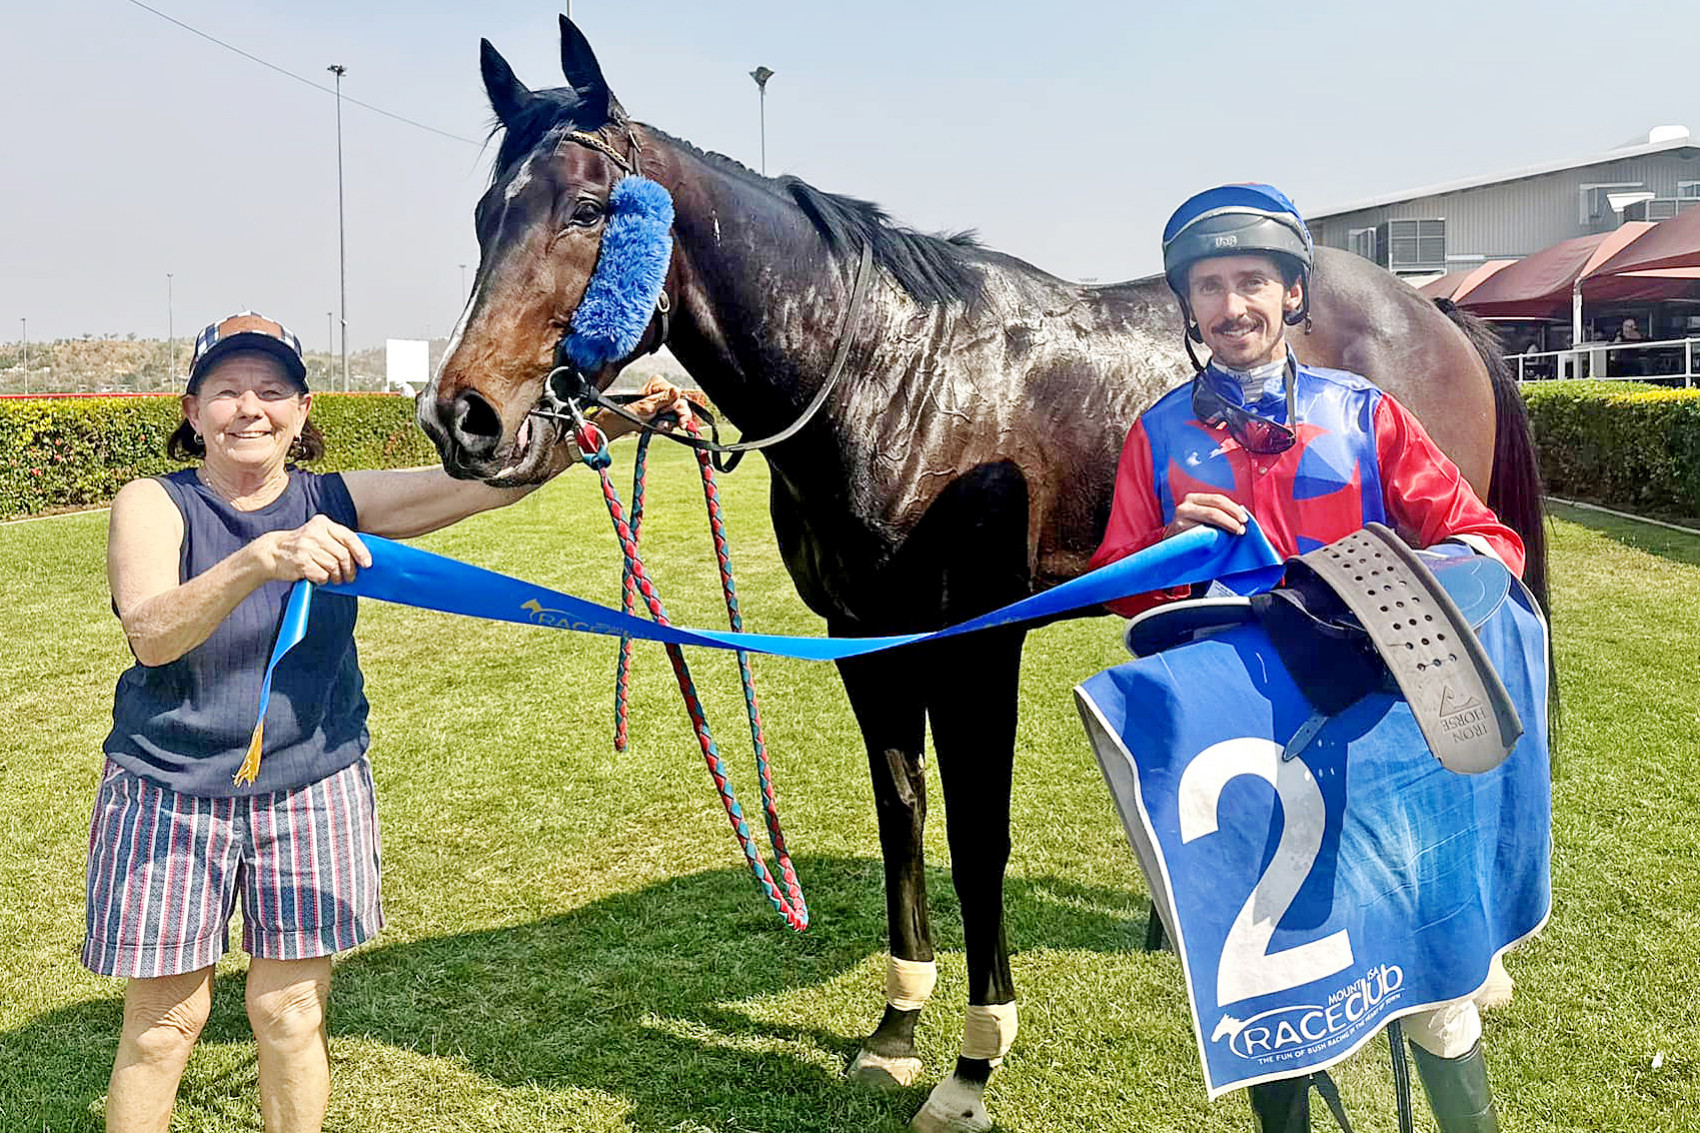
{"x":196,"y":435}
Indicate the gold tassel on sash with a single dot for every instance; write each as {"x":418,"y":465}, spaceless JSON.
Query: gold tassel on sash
{"x":250,"y":769}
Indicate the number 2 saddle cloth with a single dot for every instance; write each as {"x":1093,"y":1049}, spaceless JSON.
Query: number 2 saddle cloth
{"x":1323,"y":873}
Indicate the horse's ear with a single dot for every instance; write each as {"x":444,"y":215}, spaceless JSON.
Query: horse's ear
{"x":507,"y":94}
{"x":584,"y":75}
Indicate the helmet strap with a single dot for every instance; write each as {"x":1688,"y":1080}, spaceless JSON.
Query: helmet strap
{"x":1186,"y":340}
{"x":1302,"y":314}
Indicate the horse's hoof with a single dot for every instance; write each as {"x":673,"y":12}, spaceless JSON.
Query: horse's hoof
{"x":883,"y":1073}
{"x":954,"y":1106}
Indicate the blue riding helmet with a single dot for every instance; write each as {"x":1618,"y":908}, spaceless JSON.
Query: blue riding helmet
{"x":1234,"y":220}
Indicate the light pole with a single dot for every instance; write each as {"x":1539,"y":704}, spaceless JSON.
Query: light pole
{"x":761,"y":75}
{"x":26,"y":323}
{"x":339,"y":71}
{"x":170,"y":339}
{"x":330,"y":345}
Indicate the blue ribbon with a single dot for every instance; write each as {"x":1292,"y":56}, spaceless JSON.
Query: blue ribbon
{"x":1246,"y":564}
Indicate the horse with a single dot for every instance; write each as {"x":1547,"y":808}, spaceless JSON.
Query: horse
{"x":966,"y":460}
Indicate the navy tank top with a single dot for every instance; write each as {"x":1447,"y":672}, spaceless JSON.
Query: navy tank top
{"x":186,"y":724}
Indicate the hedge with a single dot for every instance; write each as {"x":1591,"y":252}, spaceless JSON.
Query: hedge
{"x":77,"y":452}
{"x":1613,"y":443}
{"x":1620,"y":445}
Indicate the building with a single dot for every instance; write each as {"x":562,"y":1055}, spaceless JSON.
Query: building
{"x":1448,"y":227}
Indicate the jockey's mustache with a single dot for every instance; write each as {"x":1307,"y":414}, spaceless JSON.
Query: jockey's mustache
{"x":1229,"y":326}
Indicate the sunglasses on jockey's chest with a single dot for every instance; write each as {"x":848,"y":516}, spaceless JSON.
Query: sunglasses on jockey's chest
{"x":1254,"y":434}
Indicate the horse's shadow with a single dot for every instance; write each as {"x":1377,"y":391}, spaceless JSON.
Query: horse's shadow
{"x":687,"y":999}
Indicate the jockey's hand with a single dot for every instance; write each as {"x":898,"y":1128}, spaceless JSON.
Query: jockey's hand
{"x":1207,"y":509}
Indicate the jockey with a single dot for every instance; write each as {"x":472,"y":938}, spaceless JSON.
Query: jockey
{"x":1314,"y":454}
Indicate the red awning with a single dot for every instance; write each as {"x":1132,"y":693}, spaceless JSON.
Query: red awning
{"x":1643,"y":286}
{"x":1455,"y":285}
{"x":1442,"y":286}
{"x":1673,"y":243}
{"x":1539,"y":286}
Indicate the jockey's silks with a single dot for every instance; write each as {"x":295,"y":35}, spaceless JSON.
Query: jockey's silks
{"x":1360,"y":457}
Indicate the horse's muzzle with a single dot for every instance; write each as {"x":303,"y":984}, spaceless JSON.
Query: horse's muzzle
{"x":467,"y":431}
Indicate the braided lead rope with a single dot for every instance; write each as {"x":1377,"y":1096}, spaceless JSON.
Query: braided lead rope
{"x":789,"y":905}
{"x":752,"y":710}
{"x":628,"y":596}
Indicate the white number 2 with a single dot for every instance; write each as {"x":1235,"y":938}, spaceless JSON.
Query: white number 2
{"x":1247,"y":967}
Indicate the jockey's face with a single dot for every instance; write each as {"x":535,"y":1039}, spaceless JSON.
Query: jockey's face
{"x":1239,"y":302}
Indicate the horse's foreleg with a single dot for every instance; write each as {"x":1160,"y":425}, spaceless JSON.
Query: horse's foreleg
{"x":885,"y":693}
{"x":973,"y":714}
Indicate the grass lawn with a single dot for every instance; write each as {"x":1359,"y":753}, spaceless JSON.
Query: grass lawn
{"x":574,"y":942}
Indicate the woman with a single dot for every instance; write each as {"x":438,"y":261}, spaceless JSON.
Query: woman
{"x":200,"y":563}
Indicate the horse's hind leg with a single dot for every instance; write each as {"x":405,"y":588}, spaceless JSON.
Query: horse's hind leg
{"x":885,"y":694}
{"x":973,"y":713}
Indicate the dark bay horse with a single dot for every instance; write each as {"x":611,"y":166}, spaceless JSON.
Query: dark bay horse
{"x":966,"y":460}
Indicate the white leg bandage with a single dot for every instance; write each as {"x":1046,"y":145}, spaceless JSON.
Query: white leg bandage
{"x":1497,"y":991}
{"x":988,"y":1031}
{"x":1447,"y":1032}
{"x":909,"y":983}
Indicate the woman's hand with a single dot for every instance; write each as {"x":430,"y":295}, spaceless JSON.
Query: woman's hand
{"x":320,"y":551}
{"x":1207,"y":509}
{"x":660,"y":397}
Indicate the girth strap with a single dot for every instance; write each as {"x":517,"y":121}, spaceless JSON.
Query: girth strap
{"x":1417,"y":631}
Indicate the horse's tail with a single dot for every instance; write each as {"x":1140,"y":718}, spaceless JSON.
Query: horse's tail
{"x":1515,"y":491}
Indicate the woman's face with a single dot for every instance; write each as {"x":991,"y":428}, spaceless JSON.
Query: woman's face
{"x":248,"y":412}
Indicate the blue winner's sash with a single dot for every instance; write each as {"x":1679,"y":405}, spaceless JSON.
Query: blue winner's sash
{"x":1246,"y":564}
{"x":1315,"y":899}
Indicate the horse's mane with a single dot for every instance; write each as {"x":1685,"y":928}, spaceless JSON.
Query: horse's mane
{"x":931,"y":269}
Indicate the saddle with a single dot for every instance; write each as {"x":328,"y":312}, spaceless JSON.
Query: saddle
{"x":1367,"y":614}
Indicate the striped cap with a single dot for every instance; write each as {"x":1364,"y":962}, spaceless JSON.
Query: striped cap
{"x":247,"y":330}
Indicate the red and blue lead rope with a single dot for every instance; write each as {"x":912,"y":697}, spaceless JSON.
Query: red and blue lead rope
{"x":636,"y":583}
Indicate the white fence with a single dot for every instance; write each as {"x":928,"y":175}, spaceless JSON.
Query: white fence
{"x":1666,"y":360}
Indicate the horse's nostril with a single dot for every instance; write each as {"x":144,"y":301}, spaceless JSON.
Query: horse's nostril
{"x":474,"y":424}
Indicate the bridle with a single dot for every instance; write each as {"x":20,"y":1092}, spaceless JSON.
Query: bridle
{"x":567,"y":392}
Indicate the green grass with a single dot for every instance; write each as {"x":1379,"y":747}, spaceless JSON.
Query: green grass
{"x":574,"y":943}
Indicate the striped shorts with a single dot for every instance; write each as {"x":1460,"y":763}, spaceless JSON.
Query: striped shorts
{"x":164,"y":870}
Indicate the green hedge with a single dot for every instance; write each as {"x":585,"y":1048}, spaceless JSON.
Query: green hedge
{"x":77,"y":452}
{"x":1620,"y":445}
{"x":1613,"y":443}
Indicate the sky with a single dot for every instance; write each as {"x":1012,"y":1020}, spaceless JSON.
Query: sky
{"x":1064,"y":132}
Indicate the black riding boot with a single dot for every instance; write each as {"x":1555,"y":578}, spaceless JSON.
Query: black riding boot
{"x":1458,"y":1091}
{"x":1281,"y":1106}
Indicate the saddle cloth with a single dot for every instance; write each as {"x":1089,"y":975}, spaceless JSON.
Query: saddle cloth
{"x":1314,"y":898}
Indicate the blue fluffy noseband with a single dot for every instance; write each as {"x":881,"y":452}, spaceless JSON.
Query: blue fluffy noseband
{"x":619,"y":300}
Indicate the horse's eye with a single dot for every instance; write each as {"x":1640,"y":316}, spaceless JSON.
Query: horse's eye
{"x":587,"y":212}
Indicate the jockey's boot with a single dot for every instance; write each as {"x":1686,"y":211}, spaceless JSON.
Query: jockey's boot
{"x":1281,"y":1106}
{"x":1458,"y":1091}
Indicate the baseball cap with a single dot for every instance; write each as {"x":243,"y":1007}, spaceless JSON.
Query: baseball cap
{"x":247,"y":330}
